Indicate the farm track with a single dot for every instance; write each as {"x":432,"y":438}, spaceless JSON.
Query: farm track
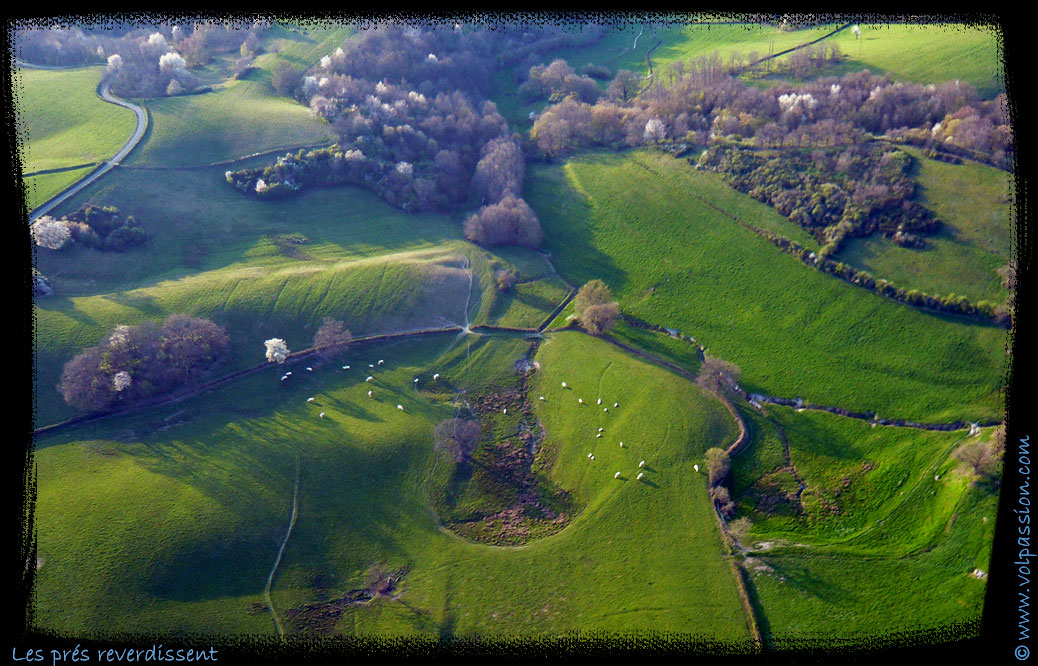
{"x":281,"y":551}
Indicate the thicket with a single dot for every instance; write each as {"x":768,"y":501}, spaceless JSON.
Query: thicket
{"x":104,"y":229}
{"x":138,"y":362}
{"x":702,"y":101}
{"x":833,"y":194}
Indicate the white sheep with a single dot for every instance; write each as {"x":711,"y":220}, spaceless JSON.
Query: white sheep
{"x":641,"y":464}
{"x":380,"y":361}
{"x":371,"y":393}
{"x":563,"y":384}
{"x":591,"y":455}
{"x":621,"y":445}
{"x":504,"y":411}
{"x":580,"y":400}
{"x":436,"y":376}
{"x":309,"y":399}
{"x":617,"y":475}
{"x":309,"y":369}
{"x":542,"y":397}
{"x":605,"y":409}
{"x":371,"y":365}
{"x":400,"y":407}
{"x":283,"y":378}
{"x":345,"y":367}
{"x":322,"y":415}
{"x":615,"y":405}
{"x":415,"y":380}
{"x":369,"y":378}
{"x":695,"y":467}
{"x":640,"y":475}
{"x":600,"y":401}
{"x":598,"y":435}
{"x":601,"y":429}
{"x":288,"y":374}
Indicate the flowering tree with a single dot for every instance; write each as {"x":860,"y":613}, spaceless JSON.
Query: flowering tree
{"x":50,"y":233}
{"x":121,"y":380}
{"x":277,"y":352}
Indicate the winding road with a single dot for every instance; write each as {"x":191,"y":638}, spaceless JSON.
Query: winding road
{"x":103,"y":168}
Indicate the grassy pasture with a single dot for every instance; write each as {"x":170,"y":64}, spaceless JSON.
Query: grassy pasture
{"x":973,"y":202}
{"x":899,"y":553}
{"x":237,"y":118}
{"x":924,"y":54}
{"x":219,"y":471}
{"x":62,"y":121}
{"x":793,"y":331}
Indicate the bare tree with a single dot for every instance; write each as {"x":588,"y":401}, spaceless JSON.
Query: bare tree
{"x":717,"y":464}
{"x":717,"y":375}
{"x":458,"y":437}
{"x":331,"y":337}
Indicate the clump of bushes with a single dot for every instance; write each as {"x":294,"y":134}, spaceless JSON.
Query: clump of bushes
{"x":137,"y":362}
{"x":103,"y":229}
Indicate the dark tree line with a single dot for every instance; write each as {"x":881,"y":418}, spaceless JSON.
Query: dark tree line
{"x":833,"y":194}
{"x":137,"y":362}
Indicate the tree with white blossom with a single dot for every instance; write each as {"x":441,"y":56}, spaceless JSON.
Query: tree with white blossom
{"x":121,"y":380}
{"x":50,"y":233}
{"x":277,"y":351}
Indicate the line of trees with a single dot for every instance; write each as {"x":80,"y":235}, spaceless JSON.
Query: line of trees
{"x":702,"y":101}
{"x":137,"y":362}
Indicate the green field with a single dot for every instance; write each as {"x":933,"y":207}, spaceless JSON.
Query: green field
{"x":924,"y":54}
{"x":677,"y":263}
{"x":62,"y":120}
{"x":216,"y":478}
{"x":975,"y":241}
{"x":40,"y":189}
{"x":236,"y":119}
{"x":882,"y":538}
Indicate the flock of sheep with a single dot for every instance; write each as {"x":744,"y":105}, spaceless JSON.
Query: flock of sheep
{"x":598,"y":435}
{"x":371,"y":394}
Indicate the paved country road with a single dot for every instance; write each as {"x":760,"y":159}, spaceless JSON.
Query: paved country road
{"x":102,"y":169}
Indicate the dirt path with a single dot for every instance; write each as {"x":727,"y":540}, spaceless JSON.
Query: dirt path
{"x":281,"y":551}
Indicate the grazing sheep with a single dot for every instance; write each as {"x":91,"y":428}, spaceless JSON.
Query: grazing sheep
{"x":621,"y":445}
{"x":615,"y":405}
{"x":371,"y":365}
{"x":504,"y":411}
{"x":695,"y":467}
{"x":617,"y":475}
{"x":598,"y":435}
{"x":309,"y":369}
{"x":322,"y":415}
{"x":283,"y":378}
{"x":641,"y":464}
{"x":400,"y":407}
{"x":601,"y":429}
{"x":600,"y":401}
{"x":371,"y":393}
{"x":605,"y":409}
{"x":640,"y":475}
{"x":542,"y":397}
{"x":345,"y":367}
{"x":309,"y":399}
{"x":380,"y":361}
{"x":580,"y":400}
{"x":369,"y":378}
{"x":563,"y":384}
{"x":436,"y":376}
{"x":590,"y":455}
{"x":288,"y":374}
{"x":415,"y":380}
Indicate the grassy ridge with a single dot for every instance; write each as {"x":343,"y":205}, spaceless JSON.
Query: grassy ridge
{"x":221,"y":469}
{"x":793,"y":331}
{"x":63,"y":122}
